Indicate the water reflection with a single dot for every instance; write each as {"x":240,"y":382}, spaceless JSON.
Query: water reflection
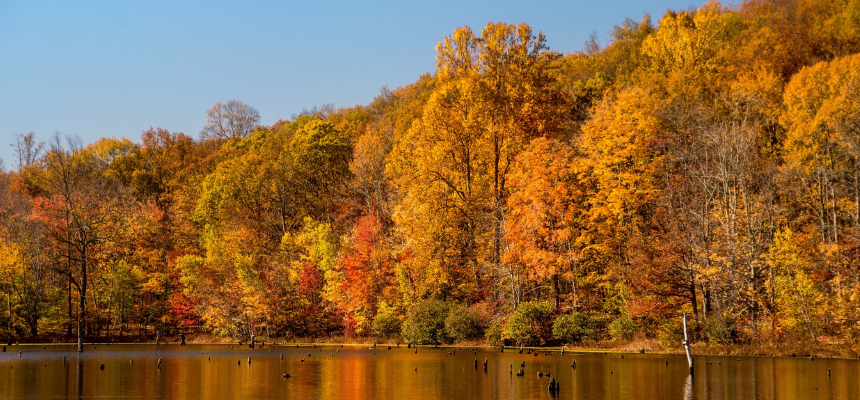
{"x":688,"y":387}
{"x":215,"y":372}
{"x":79,"y":383}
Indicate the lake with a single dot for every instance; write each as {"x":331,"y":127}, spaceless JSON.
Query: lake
{"x":332,"y":372}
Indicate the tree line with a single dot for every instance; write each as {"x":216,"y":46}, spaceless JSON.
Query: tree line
{"x":708,"y":164}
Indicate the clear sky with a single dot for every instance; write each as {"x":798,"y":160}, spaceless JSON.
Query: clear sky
{"x":115,"y":68}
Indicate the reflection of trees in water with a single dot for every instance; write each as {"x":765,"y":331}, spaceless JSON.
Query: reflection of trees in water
{"x":80,"y":378}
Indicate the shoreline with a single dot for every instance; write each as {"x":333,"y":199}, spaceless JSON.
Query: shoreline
{"x":818,"y":350}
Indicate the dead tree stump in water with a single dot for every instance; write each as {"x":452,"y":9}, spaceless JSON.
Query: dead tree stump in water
{"x":686,"y":343}
{"x":553,"y":387}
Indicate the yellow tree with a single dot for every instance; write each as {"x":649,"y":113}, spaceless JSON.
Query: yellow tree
{"x":444,"y":193}
{"x":822,"y":173}
{"x":691,"y":50}
{"x":798,"y":304}
{"x":544,"y":213}
{"x":821,"y":145}
{"x":622,"y":157}
{"x":494,"y":94}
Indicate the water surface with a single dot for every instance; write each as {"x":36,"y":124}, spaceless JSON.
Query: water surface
{"x":222,"y":372}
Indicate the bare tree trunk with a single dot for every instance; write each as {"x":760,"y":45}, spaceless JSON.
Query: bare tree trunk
{"x":69,"y":288}
{"x":82,"y":307}
{"x":833,"y":214}
{"x":693,"y":298}
{"x":821,"y":211}
{"x":9,"y":322}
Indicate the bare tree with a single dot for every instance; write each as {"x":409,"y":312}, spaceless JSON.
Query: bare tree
{"x":592,"y":45}
{"x":231,"y":120}
{"x":81,"y":203}
{"x":323,"y":111}
{"x":27,"y":149}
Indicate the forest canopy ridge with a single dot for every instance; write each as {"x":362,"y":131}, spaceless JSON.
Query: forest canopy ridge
{"x":706,"y":163}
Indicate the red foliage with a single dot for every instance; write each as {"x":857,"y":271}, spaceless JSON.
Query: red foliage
{"x":310,"y":280}
{"x":364,"y":268}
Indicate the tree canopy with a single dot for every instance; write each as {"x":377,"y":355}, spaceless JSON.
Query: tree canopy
{"x":704,"y":162}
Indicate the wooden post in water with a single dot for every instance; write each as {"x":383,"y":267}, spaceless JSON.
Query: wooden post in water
{"x":686,"y":343}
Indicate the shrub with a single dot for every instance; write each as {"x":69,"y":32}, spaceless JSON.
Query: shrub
{"x":495,"y":333}
{"x":623,"y":328}
{"x":531,"y":323}
{"x":572,"y":328}
{"x":463,"y":323}
{"x":425,"y":324}
{"x":600,"y":326}
{"x":386,"y":323}
{"x":670,"y":333}
{"x":720,"y":329}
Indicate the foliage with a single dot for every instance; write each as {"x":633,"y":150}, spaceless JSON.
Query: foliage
{"x":531,"y":323}
{"x":670,"y":333}
{"x":463,"y":323}
{"x":495,"y":333}
{"x":425,"y":323}
{"x":623,"y":328}
{"x":721,"y":329}
{"x":798,"y":302}
{"x":705,"y":162}
{"x":386,"y":323}
{"x":572,"y":328}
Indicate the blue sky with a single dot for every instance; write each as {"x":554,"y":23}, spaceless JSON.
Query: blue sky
{"x":115,"y":68}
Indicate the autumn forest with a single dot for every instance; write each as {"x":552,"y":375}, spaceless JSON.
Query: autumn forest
{"x":705,"y":163}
